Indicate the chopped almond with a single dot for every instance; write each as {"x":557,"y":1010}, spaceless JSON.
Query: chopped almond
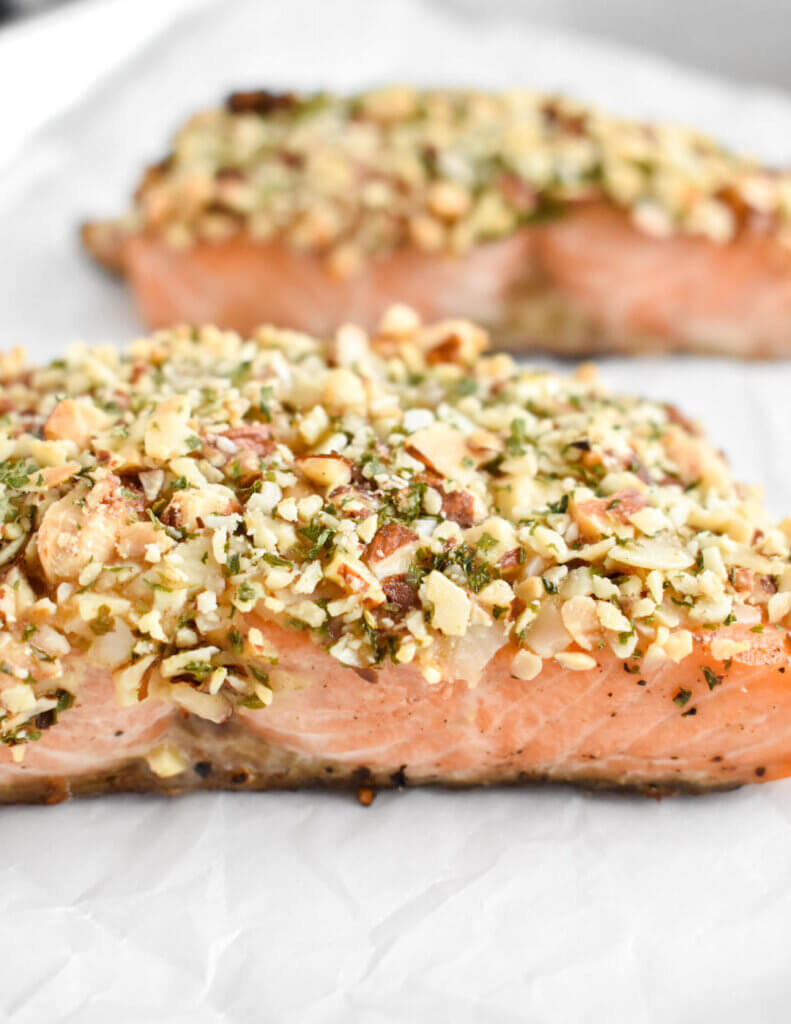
{"x":388,"y":538}
{"x":75,"y":420}
{"x":444,"y":450}
{"x":330,"y":471}
{"x":450,"y":606}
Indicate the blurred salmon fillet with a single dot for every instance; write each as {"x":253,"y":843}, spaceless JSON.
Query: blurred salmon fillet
{"x":555,"y":227}
{"x":374,"y":561}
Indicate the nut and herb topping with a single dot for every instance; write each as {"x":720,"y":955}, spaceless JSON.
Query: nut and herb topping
{"x":406,"y":498}
{"x":353,"y":177}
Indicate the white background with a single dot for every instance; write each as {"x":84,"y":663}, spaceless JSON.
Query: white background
{"x":733,"y":38}
{"x":518,"y":906}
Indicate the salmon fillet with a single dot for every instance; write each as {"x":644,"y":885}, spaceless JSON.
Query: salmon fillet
{"x":372,"y":561}
{"x":553,"y":226}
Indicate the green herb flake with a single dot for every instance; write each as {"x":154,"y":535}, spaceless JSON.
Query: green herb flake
{"x":271,"y":559}
{"x":517,"y":437}
{"x":559,"y":506}
{"x":103,"y":621}
{"x":263,"y":404}
{"x":64,"y":699}
{"x":198,"y":669}
{"x":253,"y":702}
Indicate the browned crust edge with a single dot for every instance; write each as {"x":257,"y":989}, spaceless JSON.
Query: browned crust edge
{"x":135,"y":776}
{"x":232,"y":758}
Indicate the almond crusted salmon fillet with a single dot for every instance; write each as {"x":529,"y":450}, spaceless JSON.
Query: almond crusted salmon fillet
{"x":554,"y":226}
{"x":377,"y":560}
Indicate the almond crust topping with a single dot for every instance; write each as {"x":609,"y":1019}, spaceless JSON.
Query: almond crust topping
{"x":357,"y":176}
{"x":158,"y":507}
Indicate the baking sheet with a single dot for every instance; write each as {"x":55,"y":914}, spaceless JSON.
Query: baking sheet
{"x":537,"y":905}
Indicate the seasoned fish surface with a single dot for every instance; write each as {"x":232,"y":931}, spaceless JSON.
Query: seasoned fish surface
{"x":555,"y":226}
{"x":281,"y":561}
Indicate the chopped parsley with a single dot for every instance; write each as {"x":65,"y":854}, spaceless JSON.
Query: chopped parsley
{"x":271,"y":559}
{"x":517,"y":437}
{"x":103,"y":621}
{"x":246,"y":591}
{"x":321,"y":538}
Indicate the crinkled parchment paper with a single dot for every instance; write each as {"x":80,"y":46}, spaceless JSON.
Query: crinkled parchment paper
{"x":518,"y":906}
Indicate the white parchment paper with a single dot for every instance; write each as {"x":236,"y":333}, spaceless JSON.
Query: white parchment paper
{"x":513,"y":906}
